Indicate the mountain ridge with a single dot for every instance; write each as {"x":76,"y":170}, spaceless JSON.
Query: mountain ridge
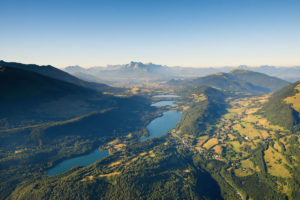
{"x":284,"y":104}
{"x":236,"y":81}
{"x":52,"y":72}
{"x":157,"y":72}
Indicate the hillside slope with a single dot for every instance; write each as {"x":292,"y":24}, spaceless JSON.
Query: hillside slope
{"x":284,"y":104}
{"x":44,"y":120}
{"x":237,"y":81}
{"x":259,"y":79}
{"x":55,"y":73}
{"x":204,"y":106}
{"x":221,"y":81}
{"x":28,"y":97}
{"x":154,"y":169}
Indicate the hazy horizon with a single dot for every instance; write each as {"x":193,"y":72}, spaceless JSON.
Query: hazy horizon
{"x":107,"y":65}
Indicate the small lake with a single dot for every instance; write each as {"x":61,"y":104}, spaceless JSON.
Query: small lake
{"x":163,"y":124}
{"x":84,"y":160}
{"x":166,"y":96}
{"x":157,"y":127}
{"x":166,"y":122}
{"x":164,"y":103}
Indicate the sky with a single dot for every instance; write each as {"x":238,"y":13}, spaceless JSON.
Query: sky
{"x":194,"y":33}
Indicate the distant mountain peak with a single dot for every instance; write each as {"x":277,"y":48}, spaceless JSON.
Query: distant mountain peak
{"x":136,"y":66}
{"x":75,"y":68}
{"x":241,"y":71}
{"x":243,"y":67}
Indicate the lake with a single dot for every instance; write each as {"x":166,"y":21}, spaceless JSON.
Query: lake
{"x":166,"y":122}
{"x":157,"y":127}
{"x":83,"y":160}
{"x":163,"y":124}
{"x":166,"y":96}
{"x":164,"y":103}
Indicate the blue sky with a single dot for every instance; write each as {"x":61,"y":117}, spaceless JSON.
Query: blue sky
{"x":200,"y":33}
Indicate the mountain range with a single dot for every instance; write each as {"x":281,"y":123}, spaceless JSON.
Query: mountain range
{"x":140,"y":73}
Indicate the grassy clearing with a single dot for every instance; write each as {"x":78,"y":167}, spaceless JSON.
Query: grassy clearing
{"x":284,"y":141}
{"x":114,"y":142}
{"x":252,"y":118}
{"x":199,"y":98}
{"x":218,"y":149}
{"x":151,"y":154}
{"x":246,"y":129}
{"x":132,"y":161}
{"x":115,"y":163}
{"x":284,"y":188}
{"x":119,"y":146}
{"x":142,"y":154}
{"x":189,"y":136}
{"x":264,"y":133}
{"x":210,"y":143}
{"x":185,"y":108}
{"x":201,"y":140}
{"x":263,"y":122}
{"x":242,"y":172}
{"x":230,"y":115}
{"x":251,"y":111}
{"x":247,"y":164}
{"x":294,"y":100}
{"x":236,"y":145}
{"x":88,"y":178}
{"x":231,"y":137}
{"x":275,"y":163}
{"x":277,"y":147}
{"x":110,"y":174}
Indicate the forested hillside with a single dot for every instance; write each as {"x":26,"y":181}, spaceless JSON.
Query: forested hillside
{"x":203,"y":107}
{"x":283,"y":108}
{"x":238,"y":81}
{"x":44,"y":120}
{"x":58,"y":74}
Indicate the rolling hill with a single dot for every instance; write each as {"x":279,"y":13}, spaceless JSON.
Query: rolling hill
{"x":28,"y":98}
{"x":237,"y":81}
{"x":284,"y":104}
{"x":205,"y":106}
{"x":259,"y":79}
{"x":55,"y":73}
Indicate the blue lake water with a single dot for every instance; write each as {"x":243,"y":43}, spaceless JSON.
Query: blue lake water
{"x":163,"y":124}
{"x":84,"y":160}
{"x":164,"y":103}
{"x":166,"y":96}
{"x":156,"y":128}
